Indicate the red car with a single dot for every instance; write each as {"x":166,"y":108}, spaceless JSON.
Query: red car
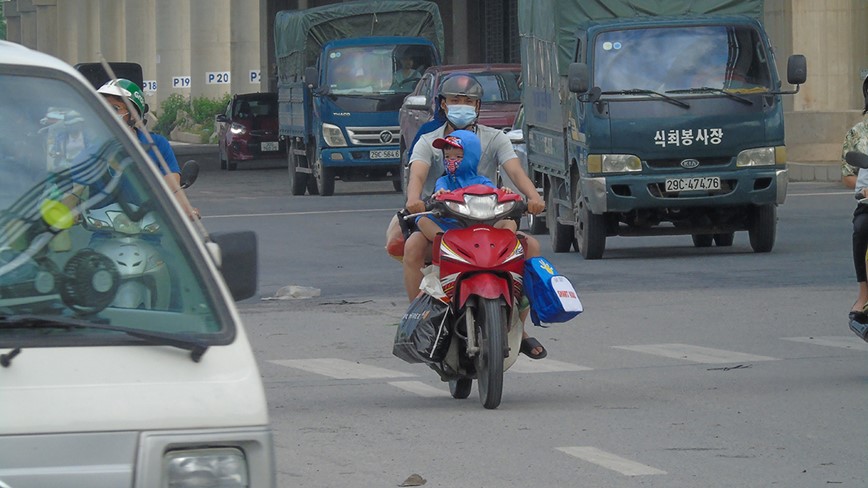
{"x":501,"y":97}
{"x":248,"y":130}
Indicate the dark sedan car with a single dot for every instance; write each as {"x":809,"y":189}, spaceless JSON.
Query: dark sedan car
{"x":501,"y":96}
{"x":248,"y":130}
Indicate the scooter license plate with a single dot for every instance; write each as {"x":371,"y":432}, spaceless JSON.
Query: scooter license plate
{"x":269,"y":146}
{"x":693,"y":184}
{"x":385,"y":154}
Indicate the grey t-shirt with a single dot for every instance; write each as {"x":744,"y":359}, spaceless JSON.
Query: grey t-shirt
{"x":496,"y":150}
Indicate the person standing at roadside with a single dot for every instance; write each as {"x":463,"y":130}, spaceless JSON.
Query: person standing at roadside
{"x":857,"y":140}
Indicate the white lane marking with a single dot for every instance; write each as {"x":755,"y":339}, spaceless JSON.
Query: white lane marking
{"x":696,"y":354}
{"x":527,"y":365}
{"x":341,"y":369}
{"x":419,"y":388}
{"x":284,"y":214}
{"x":845,"y":342}
{"x":610,"y":461}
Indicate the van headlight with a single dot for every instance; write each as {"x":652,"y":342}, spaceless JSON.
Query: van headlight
{"x":333,"y":136}
{"x":762,"y":156}
{"x":614,"y":163}
{"x":223,"y":467}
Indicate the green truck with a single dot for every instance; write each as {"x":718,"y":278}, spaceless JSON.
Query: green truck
{"x":663,"y":118}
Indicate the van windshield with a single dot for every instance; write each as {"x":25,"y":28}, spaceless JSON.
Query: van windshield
{"x":731,"y":58}
{"x":84,"y":235}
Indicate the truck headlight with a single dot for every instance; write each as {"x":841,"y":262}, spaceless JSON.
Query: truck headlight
{"x":614,"y":163}
{"x":223,"y":467}
{"x":333,"y":136}
{"x":762,"y":156}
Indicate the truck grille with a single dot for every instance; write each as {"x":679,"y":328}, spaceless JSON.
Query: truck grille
{"x":676,"y":163}
{"x":374,"y":136}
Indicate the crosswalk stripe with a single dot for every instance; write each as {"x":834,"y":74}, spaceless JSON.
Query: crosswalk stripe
{"x":696,"y":354}
{"x":528,"y":365}
{"x":341,"y":369}
{"x":419,"y":388}
{"x":610,"y":461}
{"x":845,"y":342}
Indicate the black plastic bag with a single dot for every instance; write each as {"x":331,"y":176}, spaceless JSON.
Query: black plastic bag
{"x":423,"y":335}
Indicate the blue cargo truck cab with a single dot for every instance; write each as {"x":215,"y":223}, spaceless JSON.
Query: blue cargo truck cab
{"x":340,"y":86}
{"x":669,"y":125}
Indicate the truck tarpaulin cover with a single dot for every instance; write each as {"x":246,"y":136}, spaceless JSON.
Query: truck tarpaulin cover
{"x":556,"y":21}
{"x":300,"y":34}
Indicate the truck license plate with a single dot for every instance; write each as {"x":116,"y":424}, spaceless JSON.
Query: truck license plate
{"x":270,"y":146}
{"x":692,"y":184}
{"x":386,"y":154}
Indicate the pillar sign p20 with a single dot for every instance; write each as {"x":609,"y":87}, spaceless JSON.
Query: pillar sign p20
{"x":181,"y":81}
{"x":217,"y":78}
{"x":254,"y":76}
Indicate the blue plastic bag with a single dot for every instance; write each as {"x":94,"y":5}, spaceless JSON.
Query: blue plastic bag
{"x":552,"y":297}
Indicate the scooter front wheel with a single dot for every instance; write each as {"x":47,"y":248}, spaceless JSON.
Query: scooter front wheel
{"x":490,"y":323}
{"x":460,"y":388}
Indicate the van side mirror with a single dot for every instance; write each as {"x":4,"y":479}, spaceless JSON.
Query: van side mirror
{"x":578,"y":77}
{"x":416,"y":102}
{"x":311,"y":77}
{"x":797,"y":69}
{"x":239,"y":262}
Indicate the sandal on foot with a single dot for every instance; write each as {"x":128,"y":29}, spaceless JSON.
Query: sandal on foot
{"x":528,"y":345}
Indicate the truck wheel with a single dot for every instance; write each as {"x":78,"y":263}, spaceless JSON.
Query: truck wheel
{"x":702,"y":240}
{"x":325,"y":178}
{"x":724,"y":240}
{"x":763,"y":219}
{"x":297,"y":181}
{"x":590,"y":232}
{"x":397,"y":185}
{"x":562,"y":235}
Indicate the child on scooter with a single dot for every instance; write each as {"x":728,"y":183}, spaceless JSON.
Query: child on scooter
{"x":461,"y":153}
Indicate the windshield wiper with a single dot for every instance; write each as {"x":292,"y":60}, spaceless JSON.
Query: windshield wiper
{"x":638,"y":91}
{"x":196,"y":347}
{"x":708,"y":89}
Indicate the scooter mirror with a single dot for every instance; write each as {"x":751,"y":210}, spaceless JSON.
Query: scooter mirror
{"x":857,"y":159}
{"x":189,"y":173}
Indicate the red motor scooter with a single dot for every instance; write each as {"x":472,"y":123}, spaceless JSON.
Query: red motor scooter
{"x":481,"y":275}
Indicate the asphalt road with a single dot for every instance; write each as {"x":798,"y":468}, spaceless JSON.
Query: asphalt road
{"x":713,"y":367}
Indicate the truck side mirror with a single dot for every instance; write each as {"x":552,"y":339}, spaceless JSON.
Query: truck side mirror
{"x":311,"y":77}
{"x":797,"y":69}
{"x":578,"y":77}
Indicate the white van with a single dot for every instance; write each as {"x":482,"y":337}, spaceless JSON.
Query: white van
{"x":94,"y":392}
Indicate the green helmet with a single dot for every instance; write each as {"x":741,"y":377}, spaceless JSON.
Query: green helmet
{"x":125,"y":88}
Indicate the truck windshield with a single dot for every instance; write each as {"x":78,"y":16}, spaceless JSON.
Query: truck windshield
{"x":731,"y":58}
{"x":379,"y":70}
{"x":84,"y":234}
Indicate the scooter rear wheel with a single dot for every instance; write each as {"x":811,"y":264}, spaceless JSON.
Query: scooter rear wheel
{"x":490,"y":323}
{"x":460,"y":388}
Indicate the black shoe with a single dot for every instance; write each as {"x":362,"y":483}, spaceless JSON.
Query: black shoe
{"x":856,"y":316}
{"x":859,"y":328}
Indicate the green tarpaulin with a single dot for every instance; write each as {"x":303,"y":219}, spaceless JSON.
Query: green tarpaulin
{"x":300,"y":34}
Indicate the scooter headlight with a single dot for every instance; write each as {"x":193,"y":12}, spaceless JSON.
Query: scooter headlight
{"x":481,"y":207}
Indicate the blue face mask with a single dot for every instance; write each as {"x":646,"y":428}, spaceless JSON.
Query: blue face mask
{"x":461,"y":115}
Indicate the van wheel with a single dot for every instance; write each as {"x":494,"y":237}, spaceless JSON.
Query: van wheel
{"x":724,"y":240}
{"x":325,"y":178}
{"x":397,"y":185}
{"x":702,"y":240}
{"x":763,"y":219}
{"x":232,"y":165}
{"x":590,"y":231}
{"x":561,"y":235}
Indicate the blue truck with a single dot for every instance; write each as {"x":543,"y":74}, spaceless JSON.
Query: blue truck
{"x":664,"y":118}
{"x":341,"y":84}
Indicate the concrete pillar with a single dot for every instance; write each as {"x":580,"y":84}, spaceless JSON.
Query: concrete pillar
{"x":112,"y":44}
{"x":173,"y":48}
{"x":141,"y":42}
{"x":73,"y":36}
{"x":13,"y":22}
{"x":244,"y":48}
{"x":209,"y":54}
{"x":27,"y":23}
{"x":47,"y":28}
